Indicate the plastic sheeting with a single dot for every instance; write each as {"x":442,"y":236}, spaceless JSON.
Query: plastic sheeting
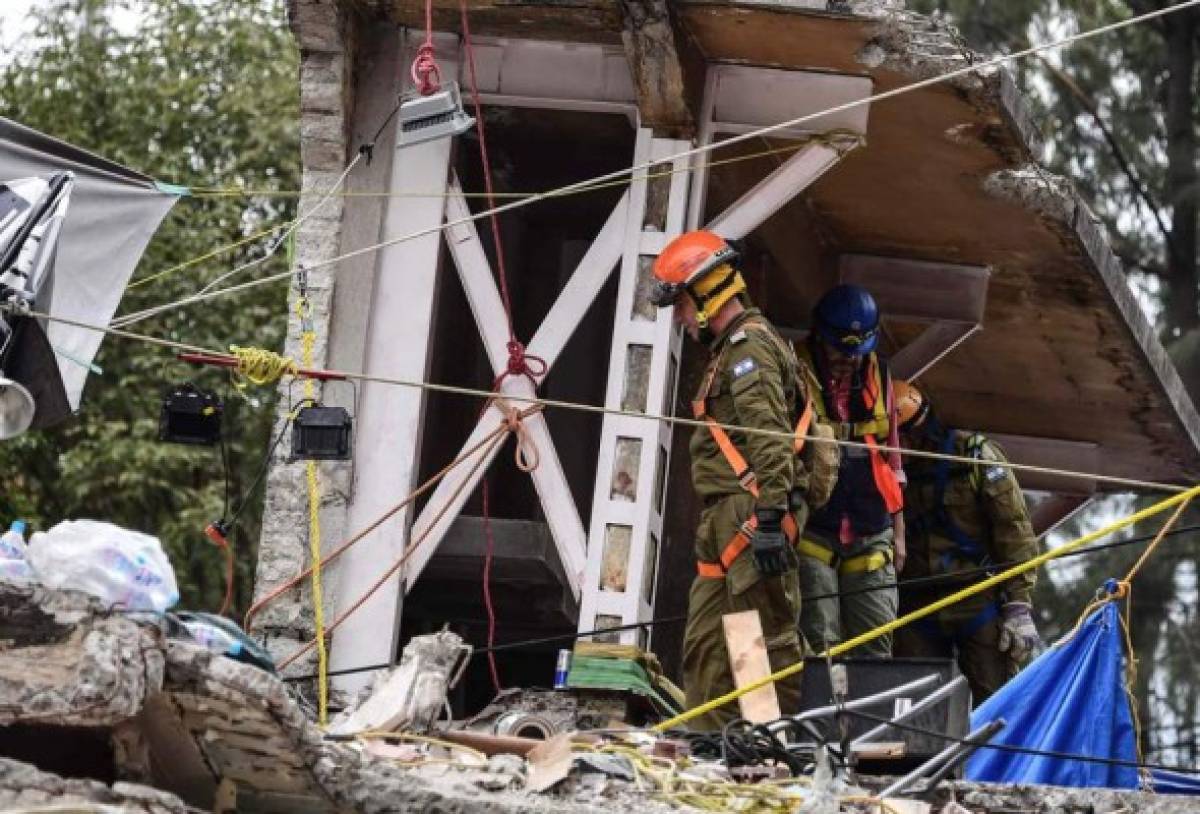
{"x":1071,"y":699}
{"x":113,"y":213}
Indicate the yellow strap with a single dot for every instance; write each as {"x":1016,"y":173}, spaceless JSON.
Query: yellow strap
{"x":865,"y":563}
{"x":815,"y":550}
{"x":308,"y":340}
{"x":861,"y":564}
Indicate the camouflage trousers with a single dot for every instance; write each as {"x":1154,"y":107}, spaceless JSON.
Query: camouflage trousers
{"x":834,"y":619}
{"x":706,"y":669}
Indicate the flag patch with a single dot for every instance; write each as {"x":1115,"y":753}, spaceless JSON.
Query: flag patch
{"x":743,"y":367}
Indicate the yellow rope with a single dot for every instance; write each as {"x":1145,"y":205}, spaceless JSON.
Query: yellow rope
{"x":308,"y":340}
{"x":260,"y":366}
{"x":141,"y":281}
{"x":934,"y":607}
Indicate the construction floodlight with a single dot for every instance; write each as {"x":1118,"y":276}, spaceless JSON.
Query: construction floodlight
{"x":437,"y":115}
{"x":190,"y":415}
{"x":322,"y":433}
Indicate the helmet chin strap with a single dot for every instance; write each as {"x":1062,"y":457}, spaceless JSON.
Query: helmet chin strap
{"x":704,"y":329}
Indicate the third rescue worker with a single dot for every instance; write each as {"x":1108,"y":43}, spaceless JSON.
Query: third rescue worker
{"x":854,"y":544}
{"x":964,"y":516}
{"x":744,"y":541}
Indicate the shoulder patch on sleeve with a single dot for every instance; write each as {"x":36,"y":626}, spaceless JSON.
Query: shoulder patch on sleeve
{"x":995,"y":473}
{"x":743,"y":367}
{"x":737,"y":336}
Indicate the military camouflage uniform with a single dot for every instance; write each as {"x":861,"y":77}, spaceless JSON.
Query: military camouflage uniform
{"x":984,"y":502}
{"x":753,"y":385}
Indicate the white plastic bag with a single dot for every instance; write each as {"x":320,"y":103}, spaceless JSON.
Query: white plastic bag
{"x":125,"y":569}
{"x":14,"y":562}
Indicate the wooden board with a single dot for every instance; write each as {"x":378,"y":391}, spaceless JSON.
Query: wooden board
{"x":749,"y":662}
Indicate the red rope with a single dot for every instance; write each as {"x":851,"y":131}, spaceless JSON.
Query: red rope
{"x":425,"y":73}
{"x":487,"y":172}
{"x":519,"y":363}
{"x":487,"y":586}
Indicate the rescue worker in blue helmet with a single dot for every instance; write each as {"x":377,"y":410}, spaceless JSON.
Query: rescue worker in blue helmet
{"x":961,"y":517}
{"x":854,"y":544}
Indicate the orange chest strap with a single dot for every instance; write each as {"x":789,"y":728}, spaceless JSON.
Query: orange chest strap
{"x":885,"y":478}
{"x":737,"y":461}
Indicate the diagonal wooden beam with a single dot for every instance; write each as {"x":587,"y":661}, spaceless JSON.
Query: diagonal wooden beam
{"x":556,"y":329}
{"x":772,"y":193}
{"x":477,"y":279}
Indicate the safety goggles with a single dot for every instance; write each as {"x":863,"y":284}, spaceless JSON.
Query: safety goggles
{"x":663,"y":295}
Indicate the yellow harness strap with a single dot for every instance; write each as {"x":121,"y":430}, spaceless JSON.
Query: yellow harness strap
{"x":860,"y":564}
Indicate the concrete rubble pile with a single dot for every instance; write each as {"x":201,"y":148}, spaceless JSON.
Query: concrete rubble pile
{"x":101,"y":712}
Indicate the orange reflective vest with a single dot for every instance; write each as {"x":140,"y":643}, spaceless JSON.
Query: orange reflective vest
{"x":868,"y":490}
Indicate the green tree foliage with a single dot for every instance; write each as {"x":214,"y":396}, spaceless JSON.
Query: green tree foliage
{"x":202,"y":94}
{"x":1119,"y":113}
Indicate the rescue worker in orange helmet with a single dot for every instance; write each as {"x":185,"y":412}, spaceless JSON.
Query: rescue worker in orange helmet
{"x":962,"y":516}
{"x":854,"y":544}
{"x":744,"y":541}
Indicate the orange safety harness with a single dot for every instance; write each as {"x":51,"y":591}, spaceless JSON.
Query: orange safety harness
{"x":741,"y":469}
{"x":875,"y":401}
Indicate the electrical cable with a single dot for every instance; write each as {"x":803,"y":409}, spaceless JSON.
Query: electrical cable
{"x":1024,"y":750}
{"x":584,"y":185}
{"x":922,"y":582}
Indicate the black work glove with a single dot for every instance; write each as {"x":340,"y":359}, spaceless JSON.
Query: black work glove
{"x":772,"y":553}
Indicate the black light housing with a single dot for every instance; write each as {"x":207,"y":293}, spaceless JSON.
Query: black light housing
{"x":322,"y":433}
{"x":190,"y":415}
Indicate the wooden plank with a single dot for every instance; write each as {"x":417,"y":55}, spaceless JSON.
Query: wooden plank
{"x":879,"y":750}
{"x":749,"y":662}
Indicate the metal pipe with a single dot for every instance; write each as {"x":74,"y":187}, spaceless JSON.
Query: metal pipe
{"x":934,"y":698}
{"x":859,"y":703}
{"x":983,"y":734}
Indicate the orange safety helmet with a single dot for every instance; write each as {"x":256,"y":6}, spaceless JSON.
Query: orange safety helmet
{"x":684,"y":261}
{"x":911,"y":405}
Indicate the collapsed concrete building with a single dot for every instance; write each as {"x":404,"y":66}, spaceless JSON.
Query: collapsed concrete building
{"x":996,"y":281}
{"x":987,"y":268}
{"x":101,"y":712}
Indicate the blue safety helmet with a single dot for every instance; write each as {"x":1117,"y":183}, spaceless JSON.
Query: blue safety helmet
{"x":848,"y":319}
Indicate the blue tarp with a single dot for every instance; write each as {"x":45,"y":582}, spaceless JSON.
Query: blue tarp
{"x":1070,"y":699}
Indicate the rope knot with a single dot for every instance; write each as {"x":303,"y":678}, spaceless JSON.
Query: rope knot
{"x":1117,"y":588}
{"x":521,"y":363}
{"x":526,"y":454}
{"x":425,"y":72}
